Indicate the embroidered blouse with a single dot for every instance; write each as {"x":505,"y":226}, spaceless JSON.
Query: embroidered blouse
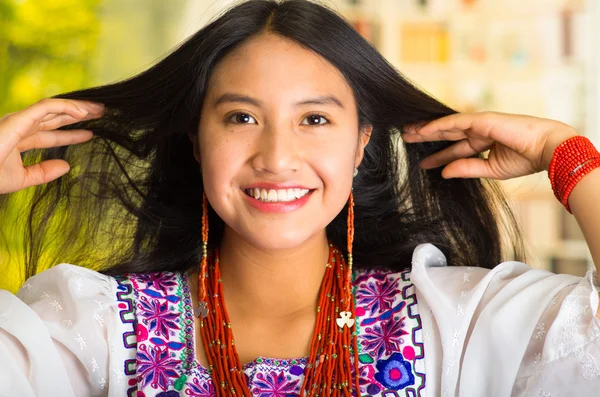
{"x":431,"y":331}
{"x":390,"y":355}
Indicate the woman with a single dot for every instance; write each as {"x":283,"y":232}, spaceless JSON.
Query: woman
{"x":259,"y":163}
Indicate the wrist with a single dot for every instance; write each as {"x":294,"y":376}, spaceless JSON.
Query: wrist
{"x":571,"y":160}
{"x":552,"y":143}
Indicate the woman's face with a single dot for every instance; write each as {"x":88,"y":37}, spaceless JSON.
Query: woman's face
{"x":278,"y":120}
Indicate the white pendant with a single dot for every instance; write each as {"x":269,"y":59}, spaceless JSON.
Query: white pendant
{"x":345,"y":319}
{"x":201,"y":309}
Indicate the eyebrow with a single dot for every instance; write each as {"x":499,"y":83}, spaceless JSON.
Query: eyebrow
{"x":319,"y":100}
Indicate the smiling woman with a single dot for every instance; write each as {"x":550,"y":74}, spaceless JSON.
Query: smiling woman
{"x":273,"y":233}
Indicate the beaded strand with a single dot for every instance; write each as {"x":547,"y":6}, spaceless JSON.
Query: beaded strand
{"x":329,"y":368}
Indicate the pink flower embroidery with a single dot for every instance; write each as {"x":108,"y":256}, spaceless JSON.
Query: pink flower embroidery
{"x":274,"y":384}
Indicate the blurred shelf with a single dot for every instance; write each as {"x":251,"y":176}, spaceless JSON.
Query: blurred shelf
{"x":509,"y":56}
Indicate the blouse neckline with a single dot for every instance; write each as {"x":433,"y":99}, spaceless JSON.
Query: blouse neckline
{"x":272,"y":361}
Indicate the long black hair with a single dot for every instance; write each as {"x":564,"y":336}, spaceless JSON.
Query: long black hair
{"x":132,"y":201}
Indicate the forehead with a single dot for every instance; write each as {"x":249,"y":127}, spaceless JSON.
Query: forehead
{"x":273,"y":67}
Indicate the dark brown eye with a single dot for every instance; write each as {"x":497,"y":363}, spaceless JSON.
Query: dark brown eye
{"x":241,"y":118}
{"x":315,"y":119}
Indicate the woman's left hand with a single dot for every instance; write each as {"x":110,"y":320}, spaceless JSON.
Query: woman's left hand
{"x":519,"y":145}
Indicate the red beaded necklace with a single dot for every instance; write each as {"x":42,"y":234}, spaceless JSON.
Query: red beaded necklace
{"x":329,"y":370}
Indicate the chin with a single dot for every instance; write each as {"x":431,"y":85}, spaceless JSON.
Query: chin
{"x":279,"y":241}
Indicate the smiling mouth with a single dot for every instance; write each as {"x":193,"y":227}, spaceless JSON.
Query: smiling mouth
{"x":277,"y":196}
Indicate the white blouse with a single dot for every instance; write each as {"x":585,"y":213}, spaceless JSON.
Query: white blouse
{"x":509,"y":331}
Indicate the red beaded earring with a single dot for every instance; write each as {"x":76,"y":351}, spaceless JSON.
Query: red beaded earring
{"x":202,"y":309}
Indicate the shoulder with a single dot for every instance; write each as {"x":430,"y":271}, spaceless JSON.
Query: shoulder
{"x":67,"y":281}
{"x":73,"y":315}
{"x":437,"y":282}
{"x":462,"y":308}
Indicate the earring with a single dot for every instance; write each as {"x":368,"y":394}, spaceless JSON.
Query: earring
{"x":345,"y":318}
{"x":355,"y":171}
{"x":202,"y":308}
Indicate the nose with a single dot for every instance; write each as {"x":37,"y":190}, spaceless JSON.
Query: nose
{"x":277,"y":150}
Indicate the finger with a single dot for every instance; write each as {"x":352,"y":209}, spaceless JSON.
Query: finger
{"x":16,"y":126}
{"x":59,"y":105}
{"x":6,"y":116}
{"x":57,"y":121}
{"x":468,"y":168}
{"x":48,"y":139}
{"x":451,"y":135}
{"x":39,"y":110}
{"x":50,"y":116}
{"x":44,"y":172}
{"x":64,"y":119}
{"x":455,"y":122}
{"x":461,"y":149}
{"x":93,"y":112}
{"x":24,"y":122}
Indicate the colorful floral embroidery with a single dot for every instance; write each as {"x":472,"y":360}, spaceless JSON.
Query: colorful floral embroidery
{"x":163,"y":282}
{"x":275,"y":384}
{"x":171,"y":393}
{"x":394,"y":372}
{"x":388,"y":327}
{"x":158,"y":317}
{"x":197,"y":388}
{"x":162,"y":349}
{"x":156,"y":366}
{"x":377,"y":293}
{"x":125,"y":297}
{"x":385,"y":337}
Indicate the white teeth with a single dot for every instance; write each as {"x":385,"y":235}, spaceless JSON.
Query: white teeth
{"x":271,"y":195}
{"x":282,"y":195}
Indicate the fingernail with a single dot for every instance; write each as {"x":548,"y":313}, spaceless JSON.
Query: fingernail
{"x":83,"y":111}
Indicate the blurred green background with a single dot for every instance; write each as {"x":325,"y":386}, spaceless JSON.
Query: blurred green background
{"x":51,"y":47}
{"x":33,"y":36}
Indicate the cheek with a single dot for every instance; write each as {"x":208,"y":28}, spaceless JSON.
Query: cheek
{"x":221,"y":165}
{"x":221,"y":161}
{"x":335,"y":170}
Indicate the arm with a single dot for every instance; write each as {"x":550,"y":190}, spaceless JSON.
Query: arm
{"x":518,"y":145}
{"x":584,"y":205}
{"x":583,"y":202}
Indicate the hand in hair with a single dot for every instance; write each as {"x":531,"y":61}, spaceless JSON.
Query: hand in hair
{"x":518,"y":145}
{"x":35,"y":127}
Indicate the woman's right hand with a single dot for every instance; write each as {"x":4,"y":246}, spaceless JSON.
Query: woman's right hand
{"x":35,"y":128}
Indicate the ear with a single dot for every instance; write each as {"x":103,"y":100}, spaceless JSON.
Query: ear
{"x":196,"y":149}
{"x":364,"y":135}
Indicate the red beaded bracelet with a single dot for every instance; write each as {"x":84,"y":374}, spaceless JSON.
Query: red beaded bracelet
{"x":571,"y":161}
{"x":587,"y":167}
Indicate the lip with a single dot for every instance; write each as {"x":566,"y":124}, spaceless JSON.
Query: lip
{"x":278,"y":207}
{"x":275,"y":186}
